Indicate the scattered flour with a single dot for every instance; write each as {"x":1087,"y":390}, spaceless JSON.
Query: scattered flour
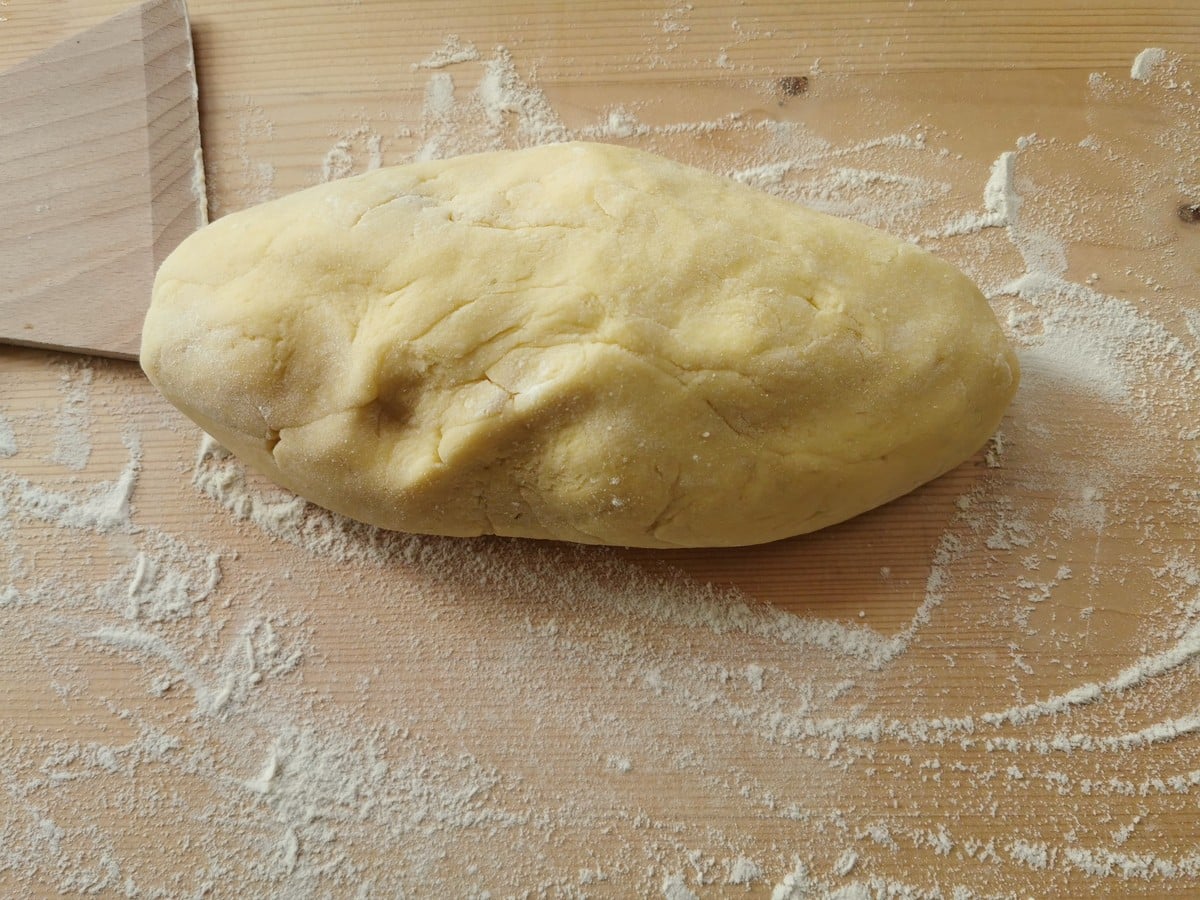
{"x":452,"y":52}
{"x":369,"y":727}
{"x":503,"y":93}
{"x":744,"y":871}
{"x":1000,"y":197}
{"x":439,"y":97}
{"x":845,"y":863}
{"x":1146,"y":62}
{"x":101,"y":507}
{"x":620,"y":764}
{"x":256,"y":176}
{"x":164,"y":583}
{"x":72,"y":439}
{"x":1036,"y":856}
{"x":1001,"y":202}
{"x":796,"y":885}
{"x":8,"y":440}
{"x":361,"y":143}
{"x":674,"y":887}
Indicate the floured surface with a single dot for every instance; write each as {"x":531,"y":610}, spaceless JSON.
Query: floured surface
{"x":984,"y":689}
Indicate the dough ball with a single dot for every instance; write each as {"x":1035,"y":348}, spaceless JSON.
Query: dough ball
{"x":580,"y":342}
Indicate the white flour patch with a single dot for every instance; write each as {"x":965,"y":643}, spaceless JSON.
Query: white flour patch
{"x":252,"y":180}
{"x":101,"y":507}
{"x":807,"y":169}
{"x":619,"y":123}
{"x":506,"y":96}
{"x":744,"y":871}
{"x":165,"y":581}
{"x":674,"y":887}
{"x":148,"y":646}
{"x":439,"y":97}
{"x":1146,"y":62}
{"x":356,"y":151}
{"x":451,"y":53}
{"x":1000,"y":198}
{"x":8,"y":440}
{"x":845,"y":863}
{"x":72,"y":439}
{"x":1192,"y":318}
{"x":1001,"y":202}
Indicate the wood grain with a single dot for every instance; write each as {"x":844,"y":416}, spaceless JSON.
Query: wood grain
{"x":99,"y":143}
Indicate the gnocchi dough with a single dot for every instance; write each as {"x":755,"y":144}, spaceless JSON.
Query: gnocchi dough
{"x":578,"y":341}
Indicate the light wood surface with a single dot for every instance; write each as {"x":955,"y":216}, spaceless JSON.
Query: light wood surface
{"x":897,"y":702}
{"x":99,"y":137}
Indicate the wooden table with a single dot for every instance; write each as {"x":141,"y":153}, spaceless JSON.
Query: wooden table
{"x":986,"y":688}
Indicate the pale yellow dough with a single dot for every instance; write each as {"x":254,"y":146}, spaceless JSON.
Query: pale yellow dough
{"x":577,"y":341}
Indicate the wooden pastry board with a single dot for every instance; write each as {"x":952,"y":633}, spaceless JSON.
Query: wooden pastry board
{"x":100,"y":157}
{"x":988,"y":686}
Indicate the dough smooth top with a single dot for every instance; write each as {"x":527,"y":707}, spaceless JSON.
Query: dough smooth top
{"x":576,"y":341}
